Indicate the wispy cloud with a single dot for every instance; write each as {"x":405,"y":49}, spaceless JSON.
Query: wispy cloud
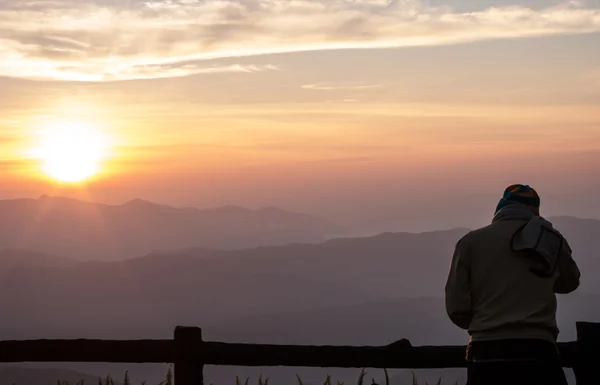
{"x":333,"y":87}
{"x":356,"y":159}
{"x":101,"y":40}
{"x":153,"y":71}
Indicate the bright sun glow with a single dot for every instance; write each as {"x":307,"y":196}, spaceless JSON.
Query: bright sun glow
{"x":72,"y":152}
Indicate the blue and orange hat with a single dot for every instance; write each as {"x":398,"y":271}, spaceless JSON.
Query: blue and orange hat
{"x":523,"y":194}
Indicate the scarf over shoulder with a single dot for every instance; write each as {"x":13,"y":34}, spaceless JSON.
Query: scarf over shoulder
{"x":537,"y":236}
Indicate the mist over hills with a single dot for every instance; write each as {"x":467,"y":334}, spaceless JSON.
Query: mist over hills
{"x":169,"y":288}
{"x":166,"y":289}
{"x":86,"y":231}
{"x":368,"y":290}
{"x":13,"y":258}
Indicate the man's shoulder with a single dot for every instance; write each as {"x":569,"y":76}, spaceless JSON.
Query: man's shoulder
{"x":481,"y":234}
{"x":476,"y":233}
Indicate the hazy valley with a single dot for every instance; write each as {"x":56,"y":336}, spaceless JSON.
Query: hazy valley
{"x":369,"y":290}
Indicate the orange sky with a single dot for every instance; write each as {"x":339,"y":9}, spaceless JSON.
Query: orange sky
{"x":436,"y":118}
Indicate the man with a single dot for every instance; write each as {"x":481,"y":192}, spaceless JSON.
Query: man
{"x":501,"y":288}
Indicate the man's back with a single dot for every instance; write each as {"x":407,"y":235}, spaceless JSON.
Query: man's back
{"x":501,"y":288}
{"x":508,"y":300}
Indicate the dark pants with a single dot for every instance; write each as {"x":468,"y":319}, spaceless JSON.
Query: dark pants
{"x":514,"y":362}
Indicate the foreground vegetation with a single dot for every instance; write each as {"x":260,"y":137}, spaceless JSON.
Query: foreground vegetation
{"x":261,"y":381}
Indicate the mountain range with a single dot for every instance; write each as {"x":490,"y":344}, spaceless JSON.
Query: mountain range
{"x":86,"y":231}
{"x":368,"y":290}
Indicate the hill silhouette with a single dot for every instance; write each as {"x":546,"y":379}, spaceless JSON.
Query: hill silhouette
{"x":86,"y":231}
{"x":208,"y":287}
{"x":170,"y":288}
{"x":370,"y":290}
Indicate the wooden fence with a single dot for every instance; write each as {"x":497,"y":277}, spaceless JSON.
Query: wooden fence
{"x":189,"y":353}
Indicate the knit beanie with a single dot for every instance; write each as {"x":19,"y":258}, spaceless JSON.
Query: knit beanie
{"x":522,"y":194}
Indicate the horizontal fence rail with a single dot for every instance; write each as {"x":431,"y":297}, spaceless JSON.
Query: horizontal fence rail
{"x":227,"y":354}
{"x":190,"y":353}
{"x":144,"y":351}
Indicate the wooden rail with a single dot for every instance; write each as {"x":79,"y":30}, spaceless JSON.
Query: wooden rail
{"x":190,"y":353}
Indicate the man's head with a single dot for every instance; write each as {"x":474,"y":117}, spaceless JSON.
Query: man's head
{"x":520,"y":194}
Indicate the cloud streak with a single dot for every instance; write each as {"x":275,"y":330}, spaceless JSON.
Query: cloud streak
{"x":95,"y":40}
{"x":154,"y":71}
{"x":333,"y":87}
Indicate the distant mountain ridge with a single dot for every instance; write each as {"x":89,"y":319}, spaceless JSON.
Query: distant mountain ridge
{"x":86,"y":231}
{"x":370,"y":290}
{"x":166,"y":288}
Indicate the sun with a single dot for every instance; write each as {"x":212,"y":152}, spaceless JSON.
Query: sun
{"x":72,"y":152}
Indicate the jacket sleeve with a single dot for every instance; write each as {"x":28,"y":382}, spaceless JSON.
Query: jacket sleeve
{"x":458,"y":288}
{"x":568,"y":272}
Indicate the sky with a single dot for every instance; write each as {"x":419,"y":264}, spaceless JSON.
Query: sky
{"x":414,"y":111}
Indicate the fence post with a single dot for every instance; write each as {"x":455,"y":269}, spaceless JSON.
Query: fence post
{"x":188,"y":367}
{"x":586,"y":363}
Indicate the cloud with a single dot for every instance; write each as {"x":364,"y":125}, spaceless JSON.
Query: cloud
{"x":153,"y":71}
{"x":109,"y":40}
{"x":330,"y":87}
{"x":88,"y":73}
{"x":357,"y":159}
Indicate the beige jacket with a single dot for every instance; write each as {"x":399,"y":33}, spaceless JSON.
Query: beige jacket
{"x":492,"y":293}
